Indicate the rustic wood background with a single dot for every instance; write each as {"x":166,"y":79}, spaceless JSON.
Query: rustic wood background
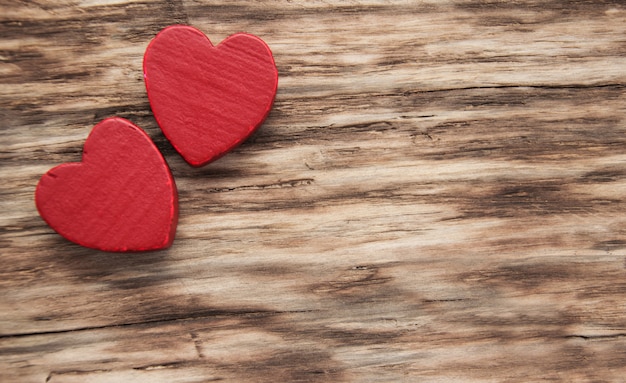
{"x":439,"y":194}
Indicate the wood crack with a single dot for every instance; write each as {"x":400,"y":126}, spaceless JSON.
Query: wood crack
{"x":596,"y":337}
{"x":277,"y":185}
{"x":200,"y":315}
{"x":74,"y":372}
{"x":445,"y":300}
{"x":531,"y":86}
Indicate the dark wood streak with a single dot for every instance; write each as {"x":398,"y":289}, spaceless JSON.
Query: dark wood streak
{"x":437,"y":195}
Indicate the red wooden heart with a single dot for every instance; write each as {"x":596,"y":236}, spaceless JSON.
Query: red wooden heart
{"x":121,"y":197}
{"x":208,"y":99}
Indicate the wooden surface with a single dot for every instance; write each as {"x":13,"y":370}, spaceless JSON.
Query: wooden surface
{"x":438,"y":194}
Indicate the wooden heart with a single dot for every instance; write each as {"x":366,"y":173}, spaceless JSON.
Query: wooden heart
{"x":208,"y":99}
{"x":121,"y":197}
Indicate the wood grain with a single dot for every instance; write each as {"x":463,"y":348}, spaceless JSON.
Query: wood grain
{"x":437,"y":195}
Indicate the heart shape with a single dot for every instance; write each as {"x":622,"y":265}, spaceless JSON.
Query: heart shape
{"x":121,"y":197}
{"x":208,"y":99}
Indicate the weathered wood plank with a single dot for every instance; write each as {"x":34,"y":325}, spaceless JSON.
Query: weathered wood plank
{"x":437,"y":195}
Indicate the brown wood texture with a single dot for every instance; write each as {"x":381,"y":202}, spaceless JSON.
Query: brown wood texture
{"x":437,"y":195}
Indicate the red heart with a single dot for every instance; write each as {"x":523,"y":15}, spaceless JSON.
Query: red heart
{"x":121,"y":197}
{"x":208,"y":99}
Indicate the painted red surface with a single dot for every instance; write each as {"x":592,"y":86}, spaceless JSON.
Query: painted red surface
{"x":208,"y":99}
{"x":121,"y":197}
